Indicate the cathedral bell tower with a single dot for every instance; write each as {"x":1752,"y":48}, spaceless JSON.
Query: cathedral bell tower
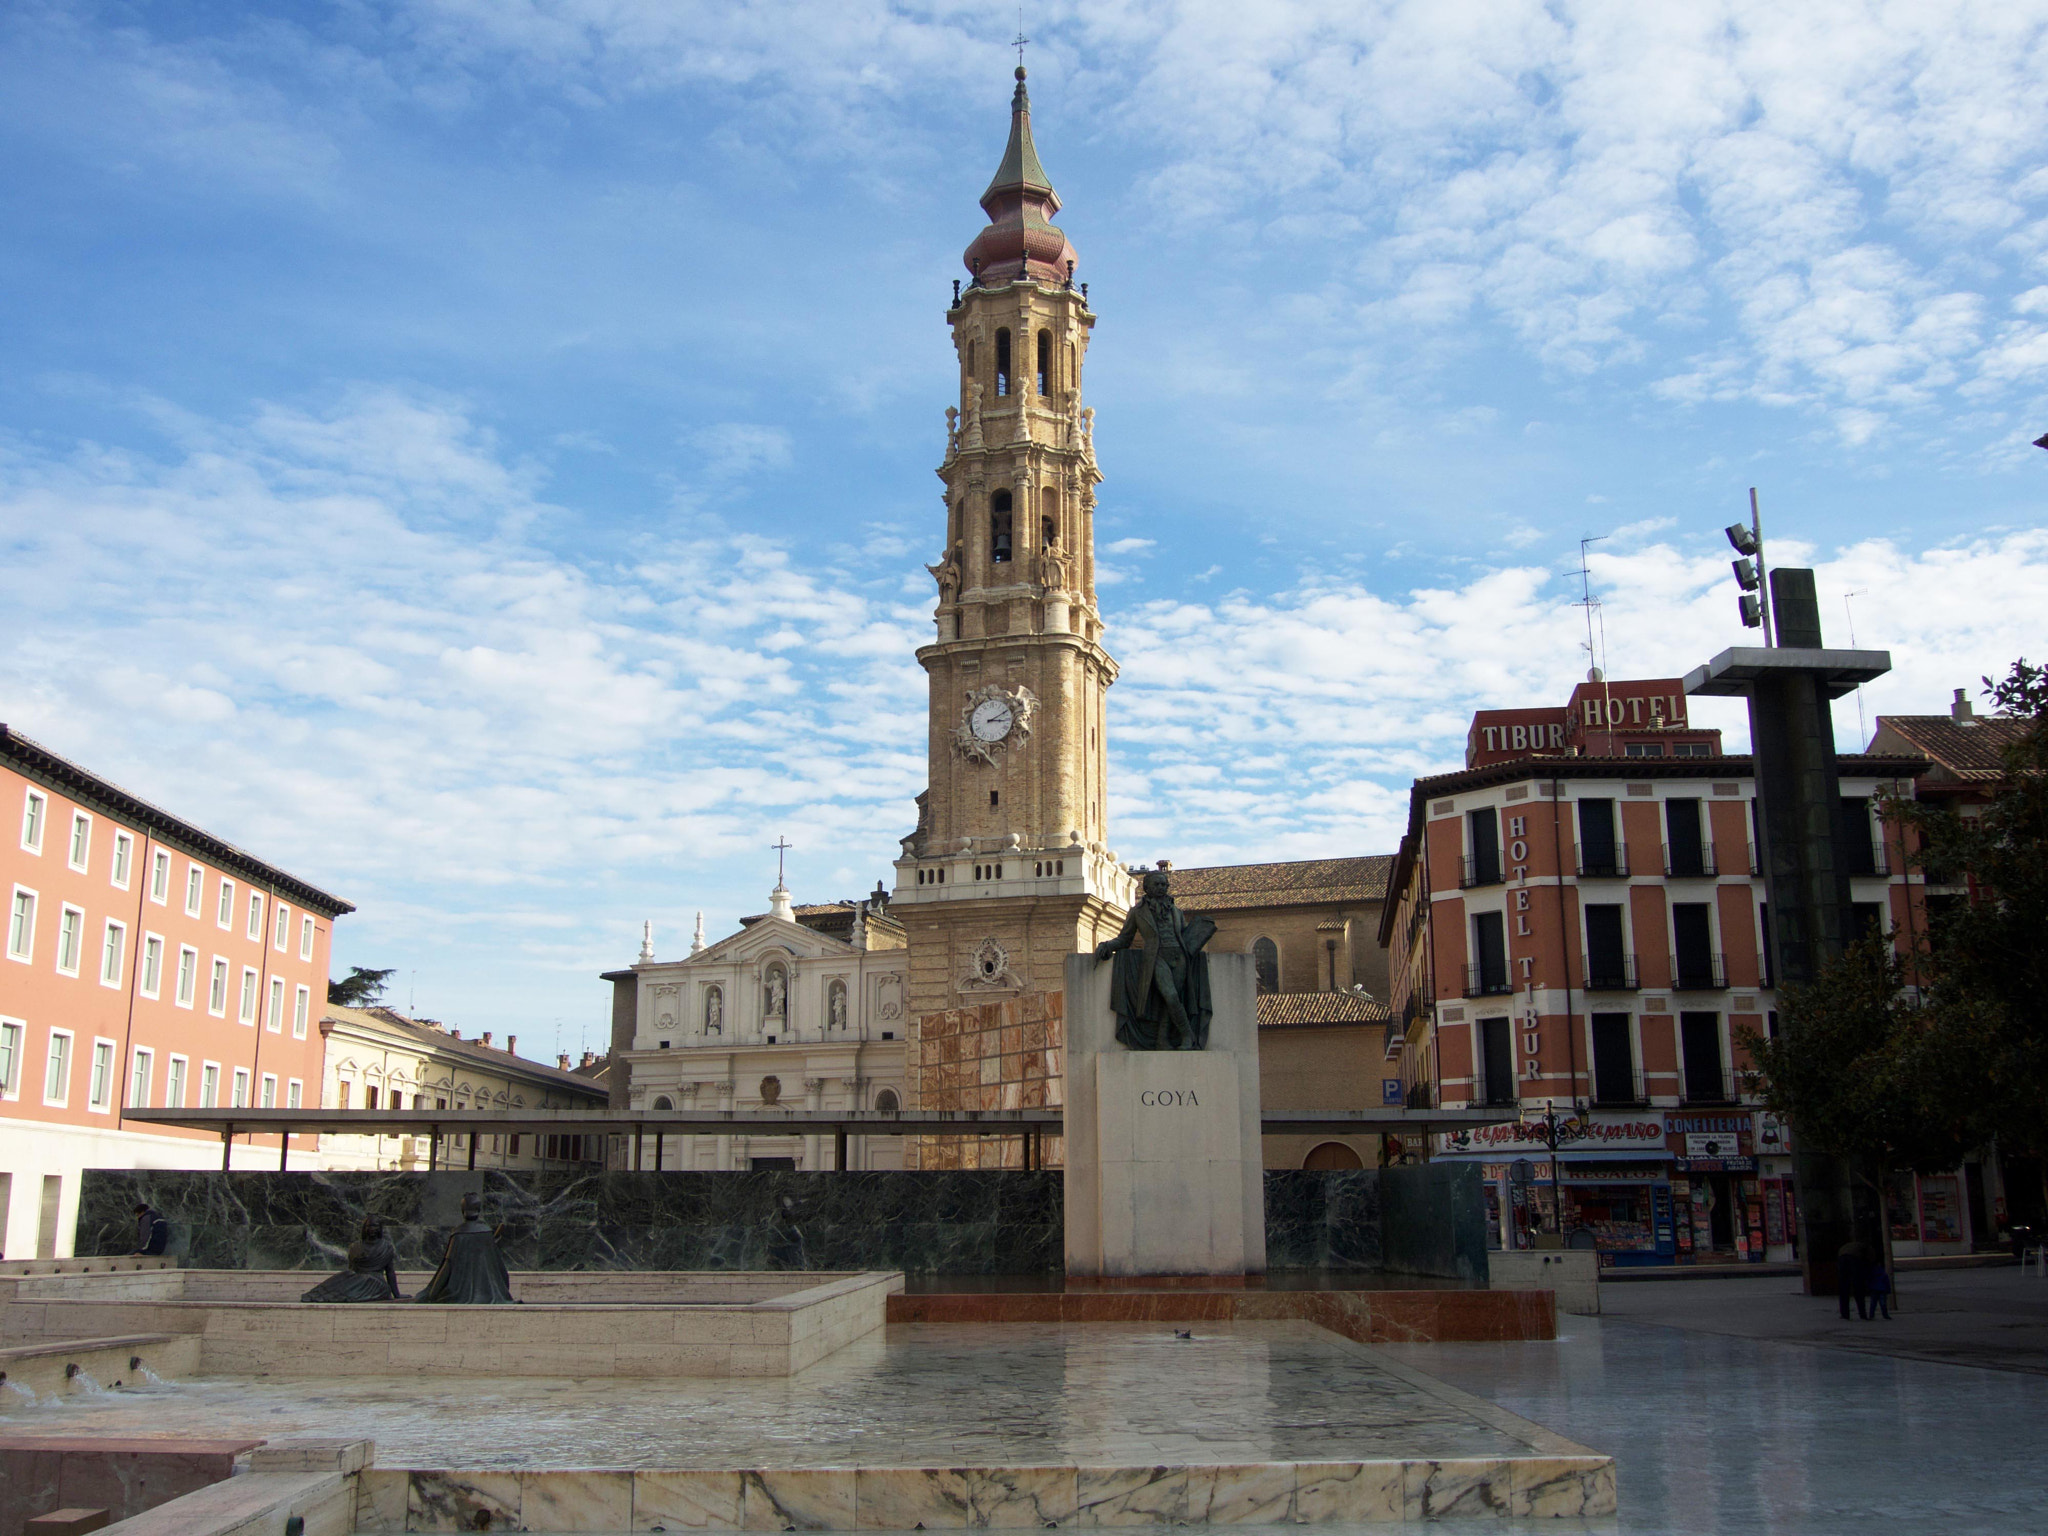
{"x":1009,"y":870}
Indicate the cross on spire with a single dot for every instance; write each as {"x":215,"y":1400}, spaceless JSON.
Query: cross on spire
{"x":781,"y":845}
{"x":1020,"y":40}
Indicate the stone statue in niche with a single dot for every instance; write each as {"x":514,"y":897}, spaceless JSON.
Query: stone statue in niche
{"x":838,"y":1005}
{"x":777,"y":994}
{"x":714,"y":1011}
{"x":472,"y":1271}
{"x":372,"y":1273}
{"x":1159,"y":990}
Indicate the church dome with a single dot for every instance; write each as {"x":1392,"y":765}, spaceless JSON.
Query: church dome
{"x":1021,"y":241}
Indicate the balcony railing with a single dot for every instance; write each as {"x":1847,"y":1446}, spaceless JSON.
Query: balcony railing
{"x":1486,"y":1096}
{"x":1619,"y":1089}
{"x":1717,"y":1087}
{"x":1478,"y":871}
{"x":1602,"y":863}
{"x":1682,"y":861}
{"x":1419,"y":1095}
{"x":1612,"y":973}
{"x":1480,"y":982}
{"x":1865,"y":858}
{"x":1699,"y":973}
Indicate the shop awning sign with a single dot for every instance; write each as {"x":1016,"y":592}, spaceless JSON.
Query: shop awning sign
{"x":1525,"y":1138}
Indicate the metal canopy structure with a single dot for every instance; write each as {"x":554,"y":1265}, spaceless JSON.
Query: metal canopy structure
{"x":1033,"y":1125}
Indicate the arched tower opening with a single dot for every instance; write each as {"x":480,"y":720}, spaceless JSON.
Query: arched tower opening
{"x":1001,"y":540}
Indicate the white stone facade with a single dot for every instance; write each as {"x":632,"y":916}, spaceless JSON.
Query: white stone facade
{"x":777,"y":1015}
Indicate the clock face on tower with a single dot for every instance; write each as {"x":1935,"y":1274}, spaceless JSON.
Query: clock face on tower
{"x":995,"y":718}
{"x":991,"y":719}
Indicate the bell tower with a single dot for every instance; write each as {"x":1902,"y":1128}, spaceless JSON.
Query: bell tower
{"x":1009,"y":870}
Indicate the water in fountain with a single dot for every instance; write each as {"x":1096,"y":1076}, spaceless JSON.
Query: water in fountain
{"x":24,"y":1395}
{"x":149,"y":1377}
{"x":82,"y":1382}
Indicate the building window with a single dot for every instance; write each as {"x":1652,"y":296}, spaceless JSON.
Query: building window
{"x":281,"y":936}
{"x":269,"y":1100}
{"x":124,"y":858}
{"x":250,"y":982}
{"x":160,"y":877}
{"x":887,"y":1103}
{"x":1643,"y":749}
{"x":70,"y":940}
{"x":1686,"y":850}
{"x":1706,"y":1070}
{"x":1002,"y":362}
{"x":256,"y":915}
{"x":1614,"y":1060}
{"x":21,"y":925}
{"x":209,"y":1086}
{"x":300,"y":1007}
{"x":224,"y":911}
{"x":152,"y":964}
{"x":138,"y":1079}
{"x":1482,"y":862}
{"x":1266,"y":962}
{"x":195,"y":878}
{"x":113,"y":954}
{"x":1692,"y":749}
{"x":32,"y":821}
{"x":1599,"y":849}
{"x":305,"y":938}
{"x":188,"y":974}
{"x":217,"y":995}
{"x":239,"y":1095}
{"x":274,"y":1019}
{"x":81,"y":840}
{"x":294,"y":1091}
{"x":1496,"y":1085}
{"x":1044,"y":363}
{"x":174,"y":1083}
{"x":10,"y":1057}
{"x":1489,"y":978}
{"x":341,"y":1091}
{"x":369,"y":1096}
{"x":57,"y":1073}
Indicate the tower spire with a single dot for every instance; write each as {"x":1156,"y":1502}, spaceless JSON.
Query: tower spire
{"x":1021,"y":243}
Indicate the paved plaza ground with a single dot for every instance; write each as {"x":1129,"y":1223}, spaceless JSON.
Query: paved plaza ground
{"x":1739,"y":1407}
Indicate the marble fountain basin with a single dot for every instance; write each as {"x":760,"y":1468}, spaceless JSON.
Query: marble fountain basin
{"x":604,"y":1323}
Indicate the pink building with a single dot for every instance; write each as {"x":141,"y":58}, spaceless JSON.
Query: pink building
{"x":147,"y":964}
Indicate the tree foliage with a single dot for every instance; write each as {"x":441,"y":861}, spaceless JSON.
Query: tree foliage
{"x":361,"y":988}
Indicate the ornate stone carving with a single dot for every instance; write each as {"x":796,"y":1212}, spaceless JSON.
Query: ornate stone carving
{"x":989,"y":969}
{"x":889,"y":998}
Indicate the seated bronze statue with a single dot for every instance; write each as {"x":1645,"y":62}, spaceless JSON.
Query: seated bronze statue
{"x":472,"y":1271}
{"x":372,"y":1273}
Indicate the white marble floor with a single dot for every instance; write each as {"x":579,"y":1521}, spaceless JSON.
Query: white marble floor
{"x":1720,"y":1436}
{"x":920,"y":1395}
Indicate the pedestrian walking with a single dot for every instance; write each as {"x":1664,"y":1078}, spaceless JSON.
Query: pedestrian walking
{"x":152,"y":1232}
{"x":1880,"y":1287}
{"x":1852,"y":1277}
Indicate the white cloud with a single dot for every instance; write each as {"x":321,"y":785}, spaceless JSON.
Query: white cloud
{"x":1129,"y":546}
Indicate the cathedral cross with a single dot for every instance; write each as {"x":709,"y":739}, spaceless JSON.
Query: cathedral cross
{"x":781,"y":845}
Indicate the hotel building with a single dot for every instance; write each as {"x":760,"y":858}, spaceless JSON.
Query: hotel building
{"x":147,"y":964}
{"x":1578,"y":920}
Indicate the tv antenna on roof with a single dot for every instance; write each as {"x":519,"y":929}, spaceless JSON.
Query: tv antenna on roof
{"x":1596,"y":661}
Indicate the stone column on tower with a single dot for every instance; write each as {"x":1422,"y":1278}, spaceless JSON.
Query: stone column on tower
{"x":1009,"y":870}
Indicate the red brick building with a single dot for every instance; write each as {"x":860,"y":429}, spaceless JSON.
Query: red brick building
{"x":146,"y":964}
{"x":1581,"y":922}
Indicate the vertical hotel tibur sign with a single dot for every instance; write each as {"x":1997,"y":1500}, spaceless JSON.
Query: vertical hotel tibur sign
{"x":1789,"y":685}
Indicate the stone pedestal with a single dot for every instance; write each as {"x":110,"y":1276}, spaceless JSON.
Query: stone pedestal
{"x":1164,"y":1172}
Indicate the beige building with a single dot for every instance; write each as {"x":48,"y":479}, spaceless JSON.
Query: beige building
{"x":377,"y":1058}
{"x":803,"y":1008}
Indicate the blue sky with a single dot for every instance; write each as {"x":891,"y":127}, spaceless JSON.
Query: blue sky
{"x":477,"y":453}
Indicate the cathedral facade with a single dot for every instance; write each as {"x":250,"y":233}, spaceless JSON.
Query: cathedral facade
{"x":1009,"y":869}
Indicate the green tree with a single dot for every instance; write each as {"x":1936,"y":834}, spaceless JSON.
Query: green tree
{"x":360,"y":988}
{"x":1984,"y":964}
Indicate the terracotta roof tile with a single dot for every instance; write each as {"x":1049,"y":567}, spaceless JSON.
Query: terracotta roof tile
{"x":1301,"y":883}
{"x":1969,"y":751}
{"x":1282,"y":1010}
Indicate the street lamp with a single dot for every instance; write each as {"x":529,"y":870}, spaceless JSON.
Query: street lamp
{"x":1555,"y":1133}
{"x":1747,"y":539}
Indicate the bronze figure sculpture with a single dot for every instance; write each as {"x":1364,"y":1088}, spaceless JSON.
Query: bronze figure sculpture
{"x":472,"y":1271}
{"x":1160,"y":992}
{"x":372,"y":1273}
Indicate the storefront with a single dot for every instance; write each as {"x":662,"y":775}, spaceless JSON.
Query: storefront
{"x":1717,"y":1193}
{"x":1615,"y":1173}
